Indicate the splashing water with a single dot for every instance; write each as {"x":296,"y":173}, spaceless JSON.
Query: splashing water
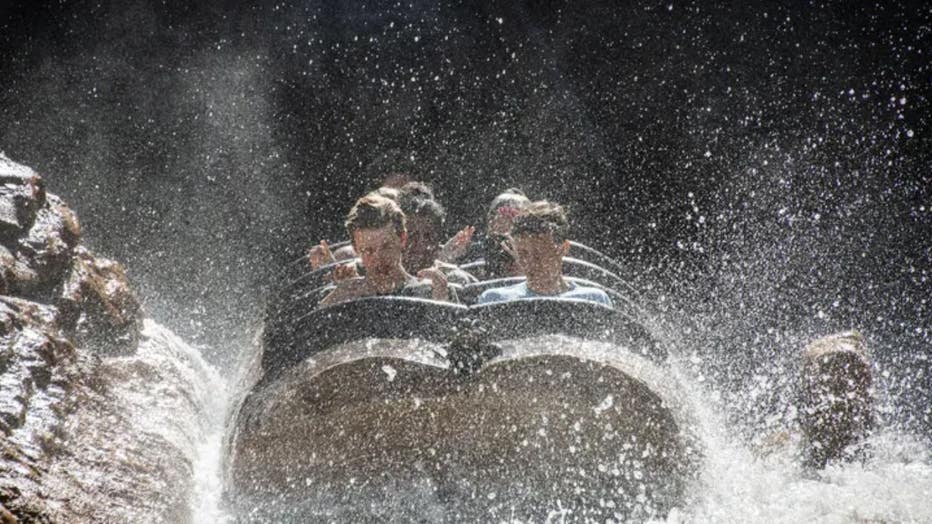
{"x":739,"y":484}
{"x":199,"y":432}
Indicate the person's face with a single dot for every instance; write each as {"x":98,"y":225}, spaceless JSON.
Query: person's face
{"x":423,"y":244}
{"x":539,"y":254}
{"x":380,"y":249}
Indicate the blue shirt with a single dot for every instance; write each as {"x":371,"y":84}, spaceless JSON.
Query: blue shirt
{"x":521,"y":291}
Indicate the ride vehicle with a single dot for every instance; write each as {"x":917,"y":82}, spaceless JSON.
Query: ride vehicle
{"x":394,"y":408}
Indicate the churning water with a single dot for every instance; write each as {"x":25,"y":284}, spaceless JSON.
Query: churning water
{"x":196,"y":428}
{"x":738,"y":482}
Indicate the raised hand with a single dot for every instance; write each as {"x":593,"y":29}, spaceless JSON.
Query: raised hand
{"x":344,"y":272}
{"x":438,"y":282}
{"x":458,"y":244}
{"x":320,"y":255}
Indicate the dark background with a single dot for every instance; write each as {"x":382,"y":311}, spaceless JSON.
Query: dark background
{"x":764,"y":173}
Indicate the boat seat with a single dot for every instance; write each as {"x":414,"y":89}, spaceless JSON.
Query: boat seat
{"x":575,"y":318}
{"x":376,"y":317}
{"x":471,"y":292}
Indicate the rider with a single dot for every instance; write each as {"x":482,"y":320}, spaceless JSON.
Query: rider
{"x":321,"y":255}
{"x":499,"y":263}
{"x":424,"y":218}
{"x":376,"y":226}
{"x":539,"y":243}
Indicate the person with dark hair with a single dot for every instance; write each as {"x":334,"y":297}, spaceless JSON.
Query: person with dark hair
{"x":539,"y":241}
{"x":503,"y":210}
{"x":425,"y":217}
{"x":377,"y":228}
{"x":499,"y":263}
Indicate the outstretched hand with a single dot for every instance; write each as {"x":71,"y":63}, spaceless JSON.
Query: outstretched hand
{"x":438,"y":282}
{"x":320,"y":255}
{"x":458,"y":244}
{"x":344,"y":272}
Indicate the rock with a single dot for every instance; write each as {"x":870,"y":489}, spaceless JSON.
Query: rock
{"x":98,"y":307}
{"x":38,"y":371}
{"x":837,"y":406}
{"x":6,"y":517}
{"x":61,"y":310}
{"x":22,"y":193}
{"x":16,"y":277}
{"x":117,"y":458}
{"x":47,"y":248}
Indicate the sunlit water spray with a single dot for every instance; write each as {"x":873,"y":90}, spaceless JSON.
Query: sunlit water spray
{"x":738,"y":482}
{"x":196,"y":429}
{"x":741,"y":484}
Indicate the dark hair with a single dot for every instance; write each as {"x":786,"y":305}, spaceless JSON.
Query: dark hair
{"x":542,"y":217}
{"x":417,"y":200}
{"x":375,"y":212}
{"x":497,"y":260}
{"x":419,"y":189}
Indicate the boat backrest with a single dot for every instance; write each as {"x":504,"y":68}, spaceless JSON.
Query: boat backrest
{"x":292,"y":338}
{"x":471,"y":292}
{"x":575,"y":318}
{"x":371,"y":317}
{"x":576,"y":268}
{"x":584,"y":262}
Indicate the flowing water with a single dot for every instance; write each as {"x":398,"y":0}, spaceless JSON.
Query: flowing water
{"x":738,"y":483}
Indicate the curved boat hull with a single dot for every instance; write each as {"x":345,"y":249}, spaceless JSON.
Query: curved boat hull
{"x":380,"y":429}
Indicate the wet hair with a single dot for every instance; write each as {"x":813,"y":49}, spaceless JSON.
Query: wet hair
{"x":419,"y":189}
{"x":375,"y":212}
{"x":390,"y":193}
{"x":511,"y":197}
{"x":542,"y":217}
{"x":417,"y":200}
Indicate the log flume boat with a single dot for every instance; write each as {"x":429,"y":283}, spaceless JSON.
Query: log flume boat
{"x":404,"y":409}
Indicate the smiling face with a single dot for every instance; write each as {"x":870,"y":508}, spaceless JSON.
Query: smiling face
{"x":380,"y":249}
{"x":539,"y":255}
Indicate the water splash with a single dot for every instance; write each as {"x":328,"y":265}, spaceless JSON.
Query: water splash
{"x":199,"y":431}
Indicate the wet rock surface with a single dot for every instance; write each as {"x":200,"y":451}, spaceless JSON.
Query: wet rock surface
{"x":70,"y":328}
